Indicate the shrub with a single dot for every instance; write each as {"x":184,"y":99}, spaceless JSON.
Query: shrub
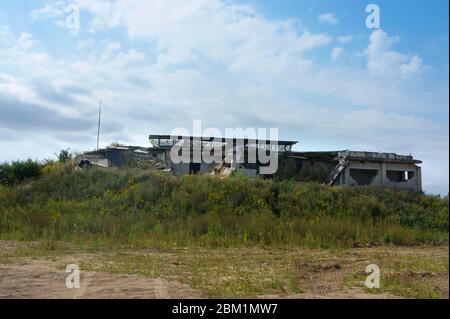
{"x":64,"y":156}
{"x":19,"y":171}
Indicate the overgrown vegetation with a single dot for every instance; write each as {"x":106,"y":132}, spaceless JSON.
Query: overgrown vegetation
{"x":19,"y":171}
{"x":64,"y":156}
{"x":143,"y":208}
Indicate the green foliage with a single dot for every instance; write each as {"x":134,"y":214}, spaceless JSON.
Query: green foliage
{"x":115,"y":144}
{"x":64,"y":156}
{"x":18,"y":171}
{"x":150,"y":208}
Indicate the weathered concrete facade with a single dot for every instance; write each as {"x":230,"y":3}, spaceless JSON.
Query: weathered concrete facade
{"x":345,"y":168}
{"x":381,"y":169}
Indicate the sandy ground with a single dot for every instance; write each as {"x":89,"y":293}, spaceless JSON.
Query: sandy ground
{"x":37,"y":278}
{"x":41,"y":279}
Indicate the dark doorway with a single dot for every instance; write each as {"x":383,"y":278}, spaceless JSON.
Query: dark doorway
{"x":363,"y":176}
{"x":194,"y":168}
{"x":396,"y":176}
{"x":399,"y":176}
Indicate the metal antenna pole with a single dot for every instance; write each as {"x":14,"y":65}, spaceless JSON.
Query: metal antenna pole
{"x":99,"y":122}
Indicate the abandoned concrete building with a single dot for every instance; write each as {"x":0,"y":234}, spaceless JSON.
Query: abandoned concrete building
{"x":345,"y":168}
{"x":350,"y":168}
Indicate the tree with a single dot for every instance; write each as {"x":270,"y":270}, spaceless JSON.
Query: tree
{"x":64,"y":156}
{"x":115,"y":144}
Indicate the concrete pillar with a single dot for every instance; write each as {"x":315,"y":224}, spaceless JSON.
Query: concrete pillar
{"x":419,"y":178}
{"x":383,"y":177}
{"x":347,"y":175}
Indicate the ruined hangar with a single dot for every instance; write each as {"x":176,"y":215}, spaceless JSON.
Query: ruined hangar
{"x":345,"y":168}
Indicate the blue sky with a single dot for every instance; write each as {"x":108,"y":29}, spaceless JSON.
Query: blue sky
{"x":312,"y":69}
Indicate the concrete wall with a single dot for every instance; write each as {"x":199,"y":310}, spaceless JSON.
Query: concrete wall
{"x":207,"y":168}
{"x":247,"y":172}
{"x":309,"y":169}
{"x":180,"y":169}
{"x":304,"y":169}
{"x":350,"y":175}
{"x":184,"y":168}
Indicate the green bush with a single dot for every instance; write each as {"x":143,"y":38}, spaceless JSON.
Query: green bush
{"x":64,"y":156}
{"x":19,"y":171}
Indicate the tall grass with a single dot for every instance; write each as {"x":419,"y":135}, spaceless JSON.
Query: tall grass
{"x":142,"y":208}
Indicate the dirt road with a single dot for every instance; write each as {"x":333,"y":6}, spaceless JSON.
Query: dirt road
{"x":25,"y":277}
{"x":41,"y":279}
{"x":24,"y":273}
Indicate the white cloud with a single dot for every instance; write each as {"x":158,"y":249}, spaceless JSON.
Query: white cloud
{"x":58,"y":11}
{"x":328,"y":18}
{"x":336,"y":53}
{"x":184,"y":30}
{"x":229,"y":66}
{"x":412,"y":68}
{"x":385,"y":62}
{"x":52,"y":10}
{"x":345,"y":38}
{"x":25,"y":41}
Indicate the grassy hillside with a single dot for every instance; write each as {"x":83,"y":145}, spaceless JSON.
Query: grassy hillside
{"x":142,"y":208}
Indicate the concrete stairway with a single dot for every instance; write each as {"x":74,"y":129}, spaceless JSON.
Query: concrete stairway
{"x":336,"y":171}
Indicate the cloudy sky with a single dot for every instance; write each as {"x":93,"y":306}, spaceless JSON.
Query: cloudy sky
{"x":312,"y":69}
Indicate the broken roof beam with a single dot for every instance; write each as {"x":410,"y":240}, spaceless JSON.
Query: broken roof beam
{"x":379,"y":157}
{"x":234,"y":140}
